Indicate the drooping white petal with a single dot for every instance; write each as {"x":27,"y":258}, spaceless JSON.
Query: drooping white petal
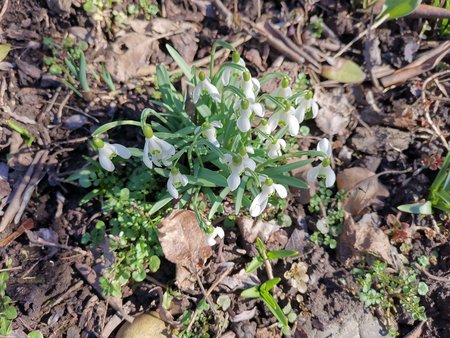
{"x":272,"y":123}
{"x":247,"y":88}
{"x":145,"y":157}
{"x":212,"y":90}
{"x":299,"y":113}
{"x":196,"y":94}
{"x":313,"y":173}
{"x":171,"y":187}
{"x":104,"y":157}
{"x":256,"y":84}
{"x":211,"y":136}
{"x":210,"y":240}
{"x":293,"y":125}
{"x":259,"y":204}
{"x":226,"y":159}
{"x":219,"y":232}
{"x":330,"y":176}
{"x":243,"y":122}
{"x":325,"y":146}
{"x":281,"y":190}
{"x":282,"y":143}
{"x":234,"y":180}
{"x":216,"y":124}
{"x":184,"y":180}
{"x":258,"y":109}
{"x":249,"y":163}
{"x":121,"y":150}
{"x":226,"y":75}
{"x":314,"y":109}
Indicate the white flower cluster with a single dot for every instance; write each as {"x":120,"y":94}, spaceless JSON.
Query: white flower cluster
{"x":249,"y":111}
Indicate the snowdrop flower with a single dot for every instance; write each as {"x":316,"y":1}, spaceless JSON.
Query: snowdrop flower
{"x":264,"y":126}
{"x":210,"y":132}
{"x":284,"y":90}
{"x":304,"y":104}
{"x":237,"y":165}
{"x":159,"y":150}
{"x":204,"y":86}
{"x":229,"y":72}
{"x":285,"y":117}
{"x":274,"y":147}
{"x":324,"y":168}
{"x":250,"y":86}
{"x":175,"y":181}
{"x":246,"y":110}
{"x":107,"y":151}
{"x":211,"y":236}
{"x":260,"y":202}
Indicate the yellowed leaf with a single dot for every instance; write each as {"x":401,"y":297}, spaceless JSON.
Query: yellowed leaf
{"x":4,"y":50}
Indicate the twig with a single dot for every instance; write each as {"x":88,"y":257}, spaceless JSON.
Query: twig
{"x":38,"y":241}
{"x":26,"y":225}
{"x":16,"y":198}
{"x":62,"y":106}
{"x":267,"y":265}
{"x":429,"y":275}
{"x":435,"y":127}
{"x":213,"y":286}
{"x":4,"y":8}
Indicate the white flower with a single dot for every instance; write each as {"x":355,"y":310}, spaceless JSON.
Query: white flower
{"x":237,"y":165}
{"x":246,"y":108}
{"x":106,"y":151}
{"x":324,"y":168}
{"x":250,"y":86}
{"x":298,"y":276}
{"x":211,"y":237}
{"x":210,"y":132}
{"x":260,"y":202}
{"x":159,"y":150}
{"x":285,"y":117}
{"x":304,"y":104}
{"x":229,"y":72}
{"x":264,"y":126}
{"x":274,"y":147}
{"x":205,"y":86}
{"x":283,"y":90}
{"x":176,"y":180}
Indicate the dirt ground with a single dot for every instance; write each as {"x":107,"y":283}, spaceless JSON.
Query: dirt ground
{"x":398,"y":130}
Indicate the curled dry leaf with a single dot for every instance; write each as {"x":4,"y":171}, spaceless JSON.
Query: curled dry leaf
{"x":183,"y":244}
{"x":335,"y":111}
{"x":363,"y":189}
{"x":128,"y":55}
{"x":365,"y":238}
{"x":344,"y":71}
{"x":144,"y":326}
{"x":251,"y":228}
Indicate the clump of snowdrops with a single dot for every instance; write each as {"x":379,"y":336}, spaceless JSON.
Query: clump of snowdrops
{"x":230,"y":142}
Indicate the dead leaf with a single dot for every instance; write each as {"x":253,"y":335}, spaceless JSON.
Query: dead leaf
{"x":363,"y":189}
{"x":184,"y":244}
{"x":29,"y":69}
{"x":4,"y":50}
{"x":186,"y":44}
{"x":364,"y":238}
{"x":335,"y":111}
{"x":251,"y":228}
{"x":344,"y":71}
{"x":244,"y":315}
{"x":128,"y":55}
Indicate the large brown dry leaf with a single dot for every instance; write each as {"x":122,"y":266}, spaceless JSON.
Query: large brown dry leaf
{"x":363,"y":189}
{"x":144,"y":326}
{"x":364,"y":238}
{"x":182,"y":241}
{"x":335,"y":111}
{"x":128,"y":55}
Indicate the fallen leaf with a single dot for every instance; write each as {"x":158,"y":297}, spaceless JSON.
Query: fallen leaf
{"x":364,"y":238}
{"x":363,"y":189}
{"x":251,"y":228}
{"x":244,"y":315}
{"x":241,"y":280}
{"x":4,"y":50}
{"x":335,"y":111}
{"x":184,"y":244}
{"x":344,"y":71}
{"x":128,"y":55}
{"x":29,"y":69}
{"x":75,"y":121}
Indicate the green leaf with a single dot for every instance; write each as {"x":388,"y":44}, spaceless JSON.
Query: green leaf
{"x":161,"y":203}
{"x":10,"y":312}
{"x":218,"y":202}
{"x":139,"y":275}
{"x":4,"y":50}
{"x":281,"y":254}
{"x":252,"y":292}
{"x":290,"y":181}
{"x":417,"y":208}
{"x":422,"y":289}
{"x":185,"y":68}
{"x":395,"y":9}
{"x":286,"y":168}
{"x":255,"y":264}
{"x":208,"y":178}
{"x":35,"y":334}
{"x":154,"y":263}
{"x":344,"y":71}
{"x":268,"y":285}
{"x":274,"y":308}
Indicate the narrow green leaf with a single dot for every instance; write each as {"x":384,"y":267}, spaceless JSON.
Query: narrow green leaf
{"x":417,"y":208}
{"x":185,"y":68}
{"x":161,"y":203}
{"x":290,"y":181}
{"x":268,"y":285}
{"x":286,"y":168}
{"x":252,"y":292}
{"x":395,"y":9}
{"x":274,"y":308}
{"x":208,"y":178}
{"x":281,"y":254}
{"x":218,"y":202}
{"x":255,"y":264}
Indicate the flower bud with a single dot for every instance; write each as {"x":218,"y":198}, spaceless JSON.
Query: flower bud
{"x":235,"y":57}
{"x":201,"y":76}
{"x":285,"y":82}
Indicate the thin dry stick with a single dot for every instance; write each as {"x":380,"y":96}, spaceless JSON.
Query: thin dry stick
{"x":429,"y":275}
{"x":435,"y":127}
{"x":4,"y":8}
{"x":16,"y":198}
{"x":210,"y":290}
{"x":62,"y":106}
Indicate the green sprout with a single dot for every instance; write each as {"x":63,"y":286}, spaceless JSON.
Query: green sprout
{"x":269,"y":255}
